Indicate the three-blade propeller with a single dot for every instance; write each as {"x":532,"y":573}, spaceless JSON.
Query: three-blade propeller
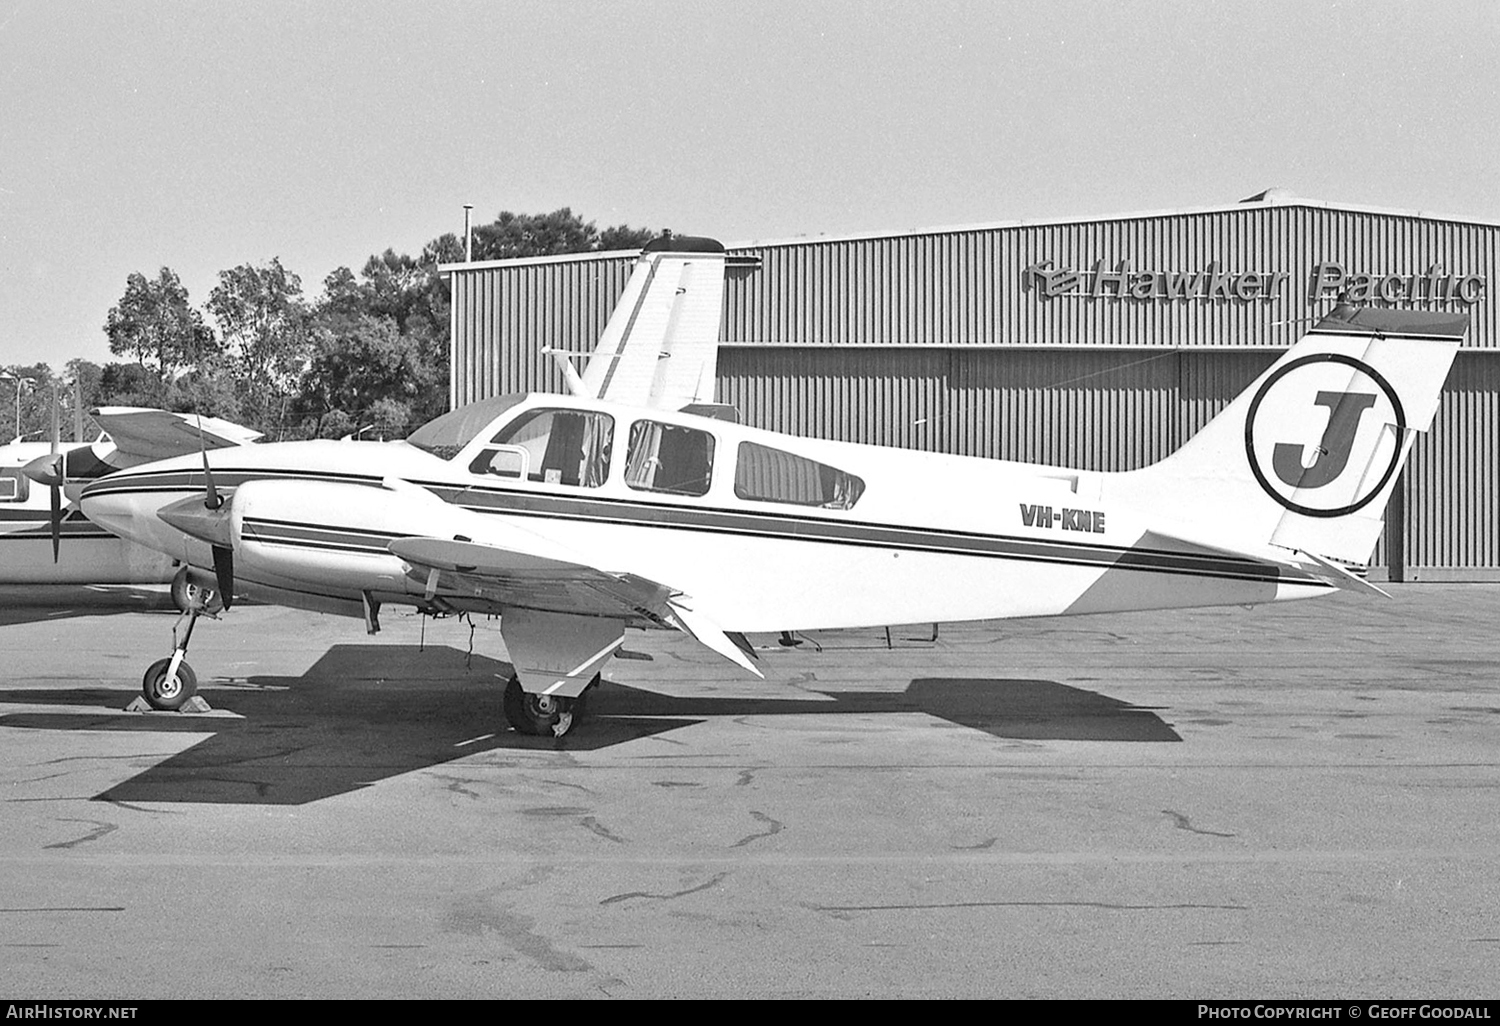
{"x":49,"y":470}
{"x":212,"y":501}
{"x":209,"y":519}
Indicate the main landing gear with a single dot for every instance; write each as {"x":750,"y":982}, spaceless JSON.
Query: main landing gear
{"x":543,"y":715}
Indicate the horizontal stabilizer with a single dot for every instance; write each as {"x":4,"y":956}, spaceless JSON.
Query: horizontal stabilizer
{"x":1343,"y":578}
{"x":1340,"y":577}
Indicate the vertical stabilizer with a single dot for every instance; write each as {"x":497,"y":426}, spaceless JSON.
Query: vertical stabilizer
{"x":1306,"y":458}
{"x":660,"y":347}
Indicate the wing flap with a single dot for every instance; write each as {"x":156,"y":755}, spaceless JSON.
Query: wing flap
{"x":709,"y":634}
{"x":517,"y":576}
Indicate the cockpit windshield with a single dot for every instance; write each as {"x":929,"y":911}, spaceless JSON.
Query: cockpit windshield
{"x":445,"y":436}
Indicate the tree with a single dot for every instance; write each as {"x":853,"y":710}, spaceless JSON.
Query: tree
{"x":393,"y":285}
{"x":509,"y":236}
{"x":266,"y":327}
{"x":27,"y":388}
{"x":155,"y":323}
{"x":128,"y":384}
{"x":407,"y":293}
{"x":363,"y":372}
{"x":527,"y":235}
{"x":624,"y":237}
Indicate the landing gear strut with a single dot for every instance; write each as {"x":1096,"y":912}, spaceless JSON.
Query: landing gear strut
{"x":170,"y":682}
{"x":543,"y":715}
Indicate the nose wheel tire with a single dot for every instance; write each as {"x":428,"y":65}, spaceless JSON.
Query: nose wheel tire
{"x":540,"y":715}
{"x":169,"y":692}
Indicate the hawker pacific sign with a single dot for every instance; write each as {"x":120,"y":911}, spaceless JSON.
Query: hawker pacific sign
{"x":1331,"y":281}
{"x":1125,"y":282}
{"x":1328,"y":280}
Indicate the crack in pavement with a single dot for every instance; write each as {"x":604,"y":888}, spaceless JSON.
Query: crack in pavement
{"x":775,"y":828}
{"x":103,"y":828}
{"x":1183,"y":823}
{"x":598,"y":828}
{"x":714,"y":882}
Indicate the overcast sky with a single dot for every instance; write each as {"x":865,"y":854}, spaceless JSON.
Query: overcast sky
{"x":201,"y":136}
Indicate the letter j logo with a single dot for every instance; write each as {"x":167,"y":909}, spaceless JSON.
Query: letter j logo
{"x":1350,"y":409}
{"x":1345,"y":410}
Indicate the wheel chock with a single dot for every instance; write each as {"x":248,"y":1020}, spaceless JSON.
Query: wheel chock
{"x":196,"y":704}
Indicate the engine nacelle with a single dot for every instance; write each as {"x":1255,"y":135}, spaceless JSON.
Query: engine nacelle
{"x":332,"y":537}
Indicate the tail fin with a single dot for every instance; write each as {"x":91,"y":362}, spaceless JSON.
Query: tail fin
{"x":660,"y":347}
{"x":1306,"y":458}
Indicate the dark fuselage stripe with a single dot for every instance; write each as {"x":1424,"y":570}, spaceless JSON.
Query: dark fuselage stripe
{"x":641,"y":512}
{"x":348,"y":539}
{"x":743,"y":523}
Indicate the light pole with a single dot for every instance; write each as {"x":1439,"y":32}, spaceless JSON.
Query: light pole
{"x":17,"y":381}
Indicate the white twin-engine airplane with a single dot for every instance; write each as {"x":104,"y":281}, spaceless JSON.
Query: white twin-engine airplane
{"x":45,"y":539}
{"x":576,"y":517}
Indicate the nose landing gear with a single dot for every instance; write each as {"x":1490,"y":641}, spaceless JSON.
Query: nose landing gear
{"x":170,"y":683}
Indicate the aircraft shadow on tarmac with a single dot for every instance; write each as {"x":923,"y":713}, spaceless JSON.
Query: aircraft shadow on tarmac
{"x":364,"y":713}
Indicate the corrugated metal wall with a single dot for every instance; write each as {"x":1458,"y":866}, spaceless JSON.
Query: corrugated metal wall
{"x":504,"y":316}
{"x":1453,"y":480}
{"x":966,"y":287}
{"x":931,"y":341}
{"x":1095,"y":410}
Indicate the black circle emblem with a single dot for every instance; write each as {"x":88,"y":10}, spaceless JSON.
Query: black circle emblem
{"x":1367,"y":371}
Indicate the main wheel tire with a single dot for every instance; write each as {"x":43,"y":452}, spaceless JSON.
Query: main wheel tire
{"x":169,"y":694}
{"x":188,"y":592}
{"x":540,"y":715}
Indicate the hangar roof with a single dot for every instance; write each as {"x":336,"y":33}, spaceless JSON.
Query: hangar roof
{"x":1270,"y":197}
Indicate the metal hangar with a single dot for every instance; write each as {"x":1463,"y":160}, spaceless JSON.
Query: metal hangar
{"x":1100,"y":343}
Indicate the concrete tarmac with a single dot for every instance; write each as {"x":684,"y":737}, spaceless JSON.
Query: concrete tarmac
{"x":1295,"y":801}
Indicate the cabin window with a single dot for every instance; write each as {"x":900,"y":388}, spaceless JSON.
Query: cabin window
{"x":667,"y":458}
{"x":569,"y":447}
{"x":451,"y":433}
{"x":83,"y":464}
{"x":770,"y":475}
{"x":13,"y":485}
{"x":511,"y":461}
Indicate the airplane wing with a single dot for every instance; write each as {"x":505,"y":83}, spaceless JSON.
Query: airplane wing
{"x":661,"y":345}
{"x":145,"y":435}
{"x":562,"y":616}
